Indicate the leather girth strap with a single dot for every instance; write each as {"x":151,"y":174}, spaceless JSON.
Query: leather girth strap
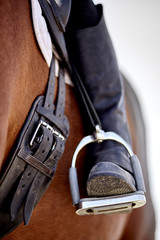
{"x":33,"y":162}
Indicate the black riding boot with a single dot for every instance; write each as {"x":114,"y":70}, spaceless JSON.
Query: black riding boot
{"x":91,"y":51}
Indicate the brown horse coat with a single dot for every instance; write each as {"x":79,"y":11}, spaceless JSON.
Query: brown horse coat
{"x":23,"y":76}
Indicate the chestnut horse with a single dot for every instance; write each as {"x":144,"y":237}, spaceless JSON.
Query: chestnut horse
{"x":23,"y":76}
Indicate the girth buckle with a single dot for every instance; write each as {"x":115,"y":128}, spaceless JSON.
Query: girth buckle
{"x":51,"y":129}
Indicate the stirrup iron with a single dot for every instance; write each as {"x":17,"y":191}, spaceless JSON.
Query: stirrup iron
{"x":111,"y":204}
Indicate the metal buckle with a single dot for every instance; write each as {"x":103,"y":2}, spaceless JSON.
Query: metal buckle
{"x":111,"y":204}
{"x":53,"y":131}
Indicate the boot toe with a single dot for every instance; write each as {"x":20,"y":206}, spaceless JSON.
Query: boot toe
{"x":108,"y":179}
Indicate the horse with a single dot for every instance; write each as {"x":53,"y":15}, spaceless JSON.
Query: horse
{"x":23,"y":77}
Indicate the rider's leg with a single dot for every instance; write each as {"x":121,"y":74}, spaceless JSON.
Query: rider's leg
{"x":83,"y":14}
{"x":91,"y":50}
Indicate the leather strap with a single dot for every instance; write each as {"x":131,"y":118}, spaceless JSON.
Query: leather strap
{"x":91,"y":113}
{"x":34,"y":160}
{"x":56,"y":30}
{"x":29,"y":182}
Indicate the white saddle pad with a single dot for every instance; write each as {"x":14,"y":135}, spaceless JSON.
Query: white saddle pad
{"x":43,"y":37}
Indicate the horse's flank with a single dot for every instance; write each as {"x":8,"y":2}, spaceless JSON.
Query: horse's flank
{"x":23,"y":77}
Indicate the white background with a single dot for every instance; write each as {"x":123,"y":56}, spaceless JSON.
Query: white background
{"x":134,"y":27}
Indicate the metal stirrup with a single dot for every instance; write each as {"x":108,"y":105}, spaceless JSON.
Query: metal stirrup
{"x":135,"y":200}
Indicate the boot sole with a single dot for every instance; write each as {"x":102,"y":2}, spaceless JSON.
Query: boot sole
{"x":108,"y":179}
